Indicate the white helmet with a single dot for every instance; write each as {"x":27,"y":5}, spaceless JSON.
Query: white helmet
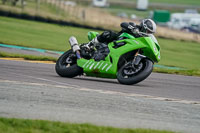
{"x":148,"y":26}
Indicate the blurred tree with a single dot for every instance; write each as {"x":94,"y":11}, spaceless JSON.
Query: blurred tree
{"x":4,"y":1}
{"x":37,"y":6}
{"x":22,"y":5}
{"x":14,"y":2}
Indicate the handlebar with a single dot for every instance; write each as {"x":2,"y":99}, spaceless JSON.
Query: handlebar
{"x":132,"y":29}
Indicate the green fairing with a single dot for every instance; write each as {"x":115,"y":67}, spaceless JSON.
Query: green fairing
{"x":108,"y":68}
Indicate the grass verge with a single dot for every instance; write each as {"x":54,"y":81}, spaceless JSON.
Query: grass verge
{"x":180,"y":2}
{"x":10,"y":125}
{"x":38,"y":35}
{"x":194,"y":72}
{"x":27,"y":57}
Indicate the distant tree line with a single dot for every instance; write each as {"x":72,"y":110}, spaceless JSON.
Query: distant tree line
{"x":13,"y":2}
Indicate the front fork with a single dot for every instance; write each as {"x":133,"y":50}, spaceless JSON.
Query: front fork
{"x":134,"y":66}
{"x":137,"y":58}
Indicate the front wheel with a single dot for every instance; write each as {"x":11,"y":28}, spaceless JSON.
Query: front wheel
{"x":129,"y":74}
{"x":66,"y":65}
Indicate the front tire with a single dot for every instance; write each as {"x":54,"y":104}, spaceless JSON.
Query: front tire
{"x":127,"y":76}
{"x":66,"y":65}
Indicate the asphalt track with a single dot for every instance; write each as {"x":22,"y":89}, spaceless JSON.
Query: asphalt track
{"x":163,"y":101}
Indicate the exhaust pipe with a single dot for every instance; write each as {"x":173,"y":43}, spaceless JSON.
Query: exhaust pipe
{"x":75,"y":47}
{"x":74,"y":44}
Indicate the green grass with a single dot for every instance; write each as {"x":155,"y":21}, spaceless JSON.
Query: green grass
{"x":27,"y":57}
{"x":38,"y":35}
{"x":54,"y":37}
{"x":183,"y":2}
{"x":180,"y":53}
{"x":194,"y":72}
{"x":8,"y":125}
{"x":44,"y":8}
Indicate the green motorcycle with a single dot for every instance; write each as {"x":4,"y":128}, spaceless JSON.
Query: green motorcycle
{"x":128,"y":59}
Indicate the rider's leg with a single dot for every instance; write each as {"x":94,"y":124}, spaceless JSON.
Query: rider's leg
{"x":105,"y":37}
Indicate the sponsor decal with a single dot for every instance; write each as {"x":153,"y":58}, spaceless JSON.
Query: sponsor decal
{"x":155,"y":50}
{"x":136,"y":41}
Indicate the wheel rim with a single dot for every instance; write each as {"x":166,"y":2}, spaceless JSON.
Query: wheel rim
{"x":129,"y":70}
{"x":68,"y":60}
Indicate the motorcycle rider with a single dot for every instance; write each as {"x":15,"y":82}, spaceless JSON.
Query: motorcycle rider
{"x":146,"y":28}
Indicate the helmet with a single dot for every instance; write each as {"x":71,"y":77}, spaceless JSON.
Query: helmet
{"x":148,"y":26}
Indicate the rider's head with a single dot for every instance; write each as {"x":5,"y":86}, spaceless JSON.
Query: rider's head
{"x":148,"y":26}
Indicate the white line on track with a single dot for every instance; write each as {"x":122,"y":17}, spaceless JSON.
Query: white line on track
{"x":43,"y":79}
{"x":69,"y":86}
{"x":66,"y":85}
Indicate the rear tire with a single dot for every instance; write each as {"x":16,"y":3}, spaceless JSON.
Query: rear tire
{"x":146,"y":67}
{"x":66,"y":65}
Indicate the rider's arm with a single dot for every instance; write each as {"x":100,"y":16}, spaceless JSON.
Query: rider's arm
{"x":130,"y":28}
{"x":107,"y":36}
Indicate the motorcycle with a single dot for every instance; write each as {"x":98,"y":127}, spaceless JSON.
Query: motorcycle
{"x":129,"y":59}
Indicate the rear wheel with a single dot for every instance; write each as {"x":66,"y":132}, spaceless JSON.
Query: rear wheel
{"x":129,"y":74}
{"x":66,"y":65}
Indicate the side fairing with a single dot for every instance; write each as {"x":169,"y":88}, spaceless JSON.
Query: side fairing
{"x":103,"y":68}
{"x":108,"y":68}
{"x":152,"y":49}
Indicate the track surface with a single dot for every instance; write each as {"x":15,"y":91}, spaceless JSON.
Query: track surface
{"x":163,"y":101}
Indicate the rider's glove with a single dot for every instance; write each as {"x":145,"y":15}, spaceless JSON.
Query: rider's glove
{"x":88,"y":45}
{"x":133,"y":28}
{"x":135,"y":31}
{"x":92,"y":43}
